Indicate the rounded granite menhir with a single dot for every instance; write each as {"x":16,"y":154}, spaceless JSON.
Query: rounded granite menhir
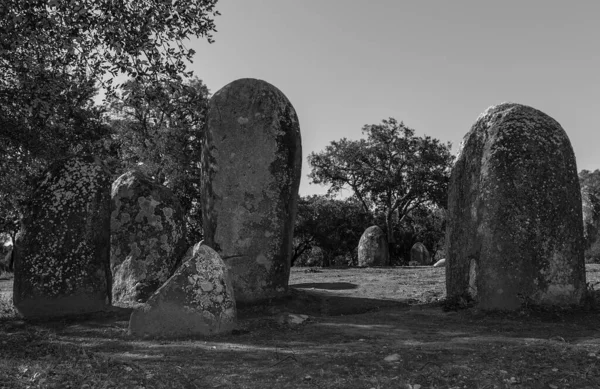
{"x":62,"y":251}
{"x":148,"y":236}
{"x":514,"y":231}
{"x":373,"y":248}
{"x":420,"y":255}
{"x":251,"y":161}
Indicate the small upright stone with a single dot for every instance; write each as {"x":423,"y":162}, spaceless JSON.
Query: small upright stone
{"x":197,"y":300}
{"x":62,"y":251}
{"x":420,"y":255}
{"x":147,"y":236}
{"x":515,"y":231}
{"x":252,"y":160}
{"x":373,"y":248}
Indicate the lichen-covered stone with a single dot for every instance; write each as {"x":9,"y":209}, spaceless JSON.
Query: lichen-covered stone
{"x":62,"y":251}
{"x":420,"y":254}
{"x":147,"y":236}
{"x":373,"y":248}
{"x":197,"y":300}
{"x":251,"y":163}
{"x":514,"y":231}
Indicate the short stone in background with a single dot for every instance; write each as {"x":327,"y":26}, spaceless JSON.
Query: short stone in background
{"x":252,"y":160}
{"x":147,"y":236}
{"x":420,"y":255}
{"x":515,"y":231}
{"x":61,"y":255}
{"x":197,"y":300}
{"x":440,"y":263}
{"x":373,"y":248}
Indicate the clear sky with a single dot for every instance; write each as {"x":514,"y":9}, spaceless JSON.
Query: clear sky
{"x":436,"y":65}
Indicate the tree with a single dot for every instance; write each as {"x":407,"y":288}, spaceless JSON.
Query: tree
{"x":334,"y":226}
{"x":96,"y":38}
{"x":392,"y":171}
{"x":590,"y":195}
{"x":158,"y":129}
{"x":30,"y":140}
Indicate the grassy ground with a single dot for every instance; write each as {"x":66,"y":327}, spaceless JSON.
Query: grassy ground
{"x":366,"y":328}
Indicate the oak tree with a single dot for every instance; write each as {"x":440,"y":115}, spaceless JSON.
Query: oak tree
{"x":391,"y":171}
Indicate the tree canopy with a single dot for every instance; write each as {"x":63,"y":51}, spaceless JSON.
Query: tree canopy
{"x":158,"y":129}
{"x":54,"y":57}
{"x":392,"y":171}
{"x":333,"y":226}
{"x":93,"y":38}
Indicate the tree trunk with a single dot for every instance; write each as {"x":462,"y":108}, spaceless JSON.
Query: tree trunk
{"x":389,"y":224}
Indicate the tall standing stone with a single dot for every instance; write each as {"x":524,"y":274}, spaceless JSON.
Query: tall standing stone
{"x":147,"y":236}
{"x":62,"y":251}
{"x":251,"y":162}
{"x":373,"y":248}
{"x":514,"y":231}
{"x":420,"y":254}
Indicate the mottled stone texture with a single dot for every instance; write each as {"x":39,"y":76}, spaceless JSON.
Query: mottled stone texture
{"x":147,"y":236}
{"x":373,"y":248}
{"x":62,"y":251}
{"x":251,"y":162}
{"x":420,"y":254}
{"x":197,"y":300}
{"x":514,"y":231}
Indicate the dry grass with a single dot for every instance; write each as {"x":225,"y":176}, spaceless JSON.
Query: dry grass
{"x":368,"y":328}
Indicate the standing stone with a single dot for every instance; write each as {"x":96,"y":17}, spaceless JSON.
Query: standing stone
{"x":373,"y":248}
{"x":514,"y":231}
{"x":62,"y":263}
{"x":251,"y":163}
{"x":420,"y":255}
{"x":197,"y":300}
{"x":147,"y":236}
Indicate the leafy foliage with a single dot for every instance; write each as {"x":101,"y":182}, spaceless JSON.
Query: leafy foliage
{"x":158,"y":129}
{"x":53,"y":55}
{"x":590,"y":195}
{"x":327,"y":229}
{"x":31,"y":139}
{"x":391,"y":172}
{"x":143,"y":39}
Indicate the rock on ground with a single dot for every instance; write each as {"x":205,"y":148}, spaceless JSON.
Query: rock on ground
{"x":147,"y":236}
{"x":62,"y":251}
{"x":420,"y":254}
{"x":373,"y":248}
{"x":515,"y":231}
{"x":252,"y":159}
{"x":197,"y":300}
{"x":440,"y":263}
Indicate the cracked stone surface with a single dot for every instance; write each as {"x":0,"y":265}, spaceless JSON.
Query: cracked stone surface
{"x":197,"y":300}
{"x":148,"y":236}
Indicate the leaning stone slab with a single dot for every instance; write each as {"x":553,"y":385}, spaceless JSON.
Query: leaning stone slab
{"x":197,"y":300}
{"x":252,"y":161}
{"x":62,"y":251}
{"x":373,"y":248}
{"x":515,"y":232}
{"x":147,"y":236}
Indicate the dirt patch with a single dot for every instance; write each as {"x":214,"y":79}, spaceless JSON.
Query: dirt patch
{"x":366,"y":328}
